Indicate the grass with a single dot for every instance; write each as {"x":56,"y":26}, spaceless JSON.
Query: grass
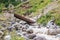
{"x":40,"y":4}
{"x":55,"y":13}
{"x":17,"y":38}
{"x":44,"y":19}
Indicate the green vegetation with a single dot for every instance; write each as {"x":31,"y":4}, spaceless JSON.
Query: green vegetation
{"x":7,"y":2}
{"x":52,"y":14}
{"x":17,"y":38}
{"x":4,"y":3}
{"x":44,"y":19}
{"x":40,"y":4}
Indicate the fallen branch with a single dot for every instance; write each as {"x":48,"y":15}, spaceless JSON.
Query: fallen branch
{"x":29,"y":21}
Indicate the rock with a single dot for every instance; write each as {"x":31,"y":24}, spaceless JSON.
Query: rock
{"x":26,"y":25}
{"x":7,"y":37}
{"x":51,"y":25}
{"x":3,"y":29}
{"x":29,"y":31}
{"x":17,"y":20}
{"x":11,"y":6}
{"x":7,"y":15}
{"x":42,"y":30}
{"x":53,"y":31}
{"x":10,"y":29}
{"x":48,"y":37}
{"x":30,"y":36}
{"x":3,"y":18}
{"x":24,"y":29}
{"x":35,"y":25}
{"x":16,"y":26}
{"x":3,"y":25}
{"x":22,"y":22}
{"x":58,"y":35}
{"x":12,"y":23}
{"x":18,"y":34}
{"x":39,"y":38}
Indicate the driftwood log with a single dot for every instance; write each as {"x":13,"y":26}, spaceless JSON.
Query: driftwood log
{"x":29,"y":21}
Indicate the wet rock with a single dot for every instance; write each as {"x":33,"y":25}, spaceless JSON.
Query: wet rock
{"x":39,"y":38}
